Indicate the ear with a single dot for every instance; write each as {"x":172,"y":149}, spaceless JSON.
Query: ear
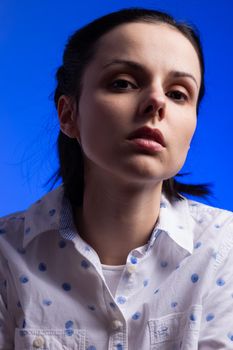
{"x":66,"y":109}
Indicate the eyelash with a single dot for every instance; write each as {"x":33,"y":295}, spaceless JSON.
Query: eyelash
{"x":133,"y":86}
{"x":182,"y":96}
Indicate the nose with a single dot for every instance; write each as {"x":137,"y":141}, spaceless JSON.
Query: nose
{"x":153,"y":104}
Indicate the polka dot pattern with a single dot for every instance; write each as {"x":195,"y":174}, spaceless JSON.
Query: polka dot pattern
{"x":194,"y":278}
{"x":197,"y":245}
{"x":23,"y":279}
{"x":220,"y":282}
{"x":192,"y":317}
{"x":149,"y":281}
{"x":47,"y":302}
{"x":85,"y":264}
{"x":209,"y":317}
{"x":133,"y":260}
{"x":163,"y":264}
{"x":66,"y":286}
{"x":42,"y":267}
{"x":136,"y":316}
{"x":121,"y":300}
{"x":62,"y":244}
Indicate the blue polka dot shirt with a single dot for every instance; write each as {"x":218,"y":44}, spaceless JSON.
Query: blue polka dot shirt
{"x":176,"y":292}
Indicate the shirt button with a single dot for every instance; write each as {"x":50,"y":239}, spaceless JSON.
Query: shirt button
{"x":38,"y":342}
{"x":131,"y":269}
{"x":117,"y":325}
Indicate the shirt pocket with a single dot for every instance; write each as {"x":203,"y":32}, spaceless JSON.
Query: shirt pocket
{"x":176,"y":331}
{"x":49,"y":339}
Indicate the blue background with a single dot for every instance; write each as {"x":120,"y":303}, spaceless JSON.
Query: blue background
{"x":32,"y":38}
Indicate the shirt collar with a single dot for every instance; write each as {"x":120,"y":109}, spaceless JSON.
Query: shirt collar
{"x":176,"y":221}
{"x":48,"y":214}
{"x":43,"y":215}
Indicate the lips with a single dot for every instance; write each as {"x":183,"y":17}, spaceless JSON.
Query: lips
{"x":148,"y":133}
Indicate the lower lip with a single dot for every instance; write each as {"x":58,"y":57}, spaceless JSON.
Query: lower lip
{"x":147,"y":145}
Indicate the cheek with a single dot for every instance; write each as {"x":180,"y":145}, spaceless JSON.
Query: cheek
{"x":186,"y":131}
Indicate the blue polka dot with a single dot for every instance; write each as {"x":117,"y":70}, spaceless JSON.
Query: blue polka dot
{"x":52,"y":212}
{"x":2,"y":231}
{"x":157,"y":290}
{"x":24,"y":324}
{"x":174,"y":304}
{"x":217,"y":226}
{"x":163,"y":263}
{"x":210,"y":317}
{"x":194,"y":277}
{"x":28,"y":230}
{"x":85,"y":264}
{"x":47,"y":302}
{"x":87,"y":248}
{"x":197,"y":245}
{"x":91,"y":347}
{"x":133,"y":260}
{"x":121,"y":300}
{"x":91,"y":307}
{"x":62,"y":244}
{"x":113,"y":306}
{"x":145,"y":283}
{"x":66,"y":286}
{"x":136,"y":316}
{"x":180,"y":227}
{"x":42,"y":267}
{"x":192,"y":317}
{"x":23,"y":279}
{"x":69,"y":332}
{"x":220,"y":282}
{"x":119,"y":347}
{"x":69,"y":324}
{"x":230,"y":336}
{"x":162,"y":205}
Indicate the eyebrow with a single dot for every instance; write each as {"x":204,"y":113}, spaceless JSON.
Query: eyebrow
{"x":138,"y":67}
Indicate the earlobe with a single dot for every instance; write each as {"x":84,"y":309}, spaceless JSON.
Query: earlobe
{"x":67,"y":116}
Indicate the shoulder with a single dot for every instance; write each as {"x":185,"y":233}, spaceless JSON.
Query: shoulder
{"x":23,"y":226}
{"x":212,"y":228}
{"x":204,"y":214}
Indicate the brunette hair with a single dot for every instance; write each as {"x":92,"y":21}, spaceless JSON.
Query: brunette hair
{"x":79,"y":51}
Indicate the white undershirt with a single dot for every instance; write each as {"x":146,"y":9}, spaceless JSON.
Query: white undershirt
{"x":112,"y":275}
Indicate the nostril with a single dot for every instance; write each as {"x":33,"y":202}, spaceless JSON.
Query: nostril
{"x":149,"y":109}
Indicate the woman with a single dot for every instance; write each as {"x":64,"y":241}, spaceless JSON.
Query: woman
{"x":116,"y":257}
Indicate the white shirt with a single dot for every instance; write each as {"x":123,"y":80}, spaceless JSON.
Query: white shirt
{"x":176,"y":292}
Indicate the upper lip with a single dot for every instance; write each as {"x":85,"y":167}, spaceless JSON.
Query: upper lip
{"x":149,"y":134}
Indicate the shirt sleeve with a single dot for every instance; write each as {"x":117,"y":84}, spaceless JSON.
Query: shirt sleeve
{"x":6,"y":321}
{"x":217,"y":320}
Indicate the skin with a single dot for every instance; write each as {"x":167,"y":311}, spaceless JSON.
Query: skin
{"x":123,"y":184}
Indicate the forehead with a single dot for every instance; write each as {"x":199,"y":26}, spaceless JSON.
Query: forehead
{"x":151,"y":44}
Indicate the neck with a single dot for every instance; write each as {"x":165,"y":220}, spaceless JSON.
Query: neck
{"x":115,"y":220}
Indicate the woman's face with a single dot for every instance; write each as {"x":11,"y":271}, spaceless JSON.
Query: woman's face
{"x":143,"y":77}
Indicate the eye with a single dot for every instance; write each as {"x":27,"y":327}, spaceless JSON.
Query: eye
{"x":177,"y":95}
{"x":122,"y":84}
